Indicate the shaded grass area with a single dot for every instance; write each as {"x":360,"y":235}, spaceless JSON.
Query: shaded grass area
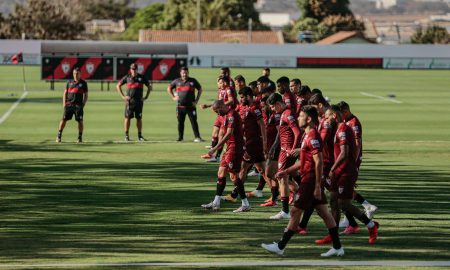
{"x":104,"y":201}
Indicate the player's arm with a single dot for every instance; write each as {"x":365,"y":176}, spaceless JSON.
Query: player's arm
{"x":230,"y":99}
{"x":149,"y":89}
{"x":343,"y":155}
{"x":318,"y":166}
{"x":262,"y":127}
{"x":119,"y":90}
{"x":222,"y":140}
{"x":275,"y":145}
{"x":358,"y":144}
{"x":199,"y":94}
{"x":85,"y":97}
{"x":297,"y":133}
{"x":64,"y":97}
{"x":170,"y":92}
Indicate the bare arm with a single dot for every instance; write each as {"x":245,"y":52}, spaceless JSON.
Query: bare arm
{"x":342,"y":156}
{"x":85,"y":98}
{"x":198,"y":96}
{"x":64,"y":97}
{"x":170,"y":92}
{"x":149,"y":89}
{"x":358,"y":143}
{"x":222,"y":141}
{"x":119,"y":90}
{"x":318,"y":162}
{"x":262,"y":127}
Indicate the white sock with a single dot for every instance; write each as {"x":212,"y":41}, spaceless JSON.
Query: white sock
{"x":245,"y":202}
{"x":365,"y":203}
{"x":370,"y":224}
{"x":216,"y":200}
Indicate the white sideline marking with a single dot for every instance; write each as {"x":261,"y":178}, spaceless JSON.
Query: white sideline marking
{"x":380,"y":97}
{"x":244,"y":263}
{"x":13,"y":107}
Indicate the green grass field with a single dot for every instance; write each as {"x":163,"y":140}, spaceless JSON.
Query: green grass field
{"x":109,"y":202}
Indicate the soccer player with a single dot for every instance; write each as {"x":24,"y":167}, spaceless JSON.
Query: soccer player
{"x":254,"y":137}
{"x":353,"y":122}
{"x":239,"y":82}
{"x":264,"y":82}
{"x":228,"y":95}
{"x":74,"y":99}
{"x":266,"y":73}
{"x":288,"y":97}
{"x":343,"y":175}
{"x":311,"y":191}
{"x":232,"y":158}
{"x":289,"y":134}
{"x":185,"y":87}
{"x":327,"y":132}
{"x":134,"y":99}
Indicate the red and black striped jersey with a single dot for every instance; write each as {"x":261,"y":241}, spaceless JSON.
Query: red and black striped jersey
{"x":135,"y":86}
{"x":76,"y":91}
{"x":185,"y":91}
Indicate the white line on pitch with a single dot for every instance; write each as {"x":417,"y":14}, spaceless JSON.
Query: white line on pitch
{"x":380,"y":97}
{"x":244,"y":263}
{"x":13,"y":107}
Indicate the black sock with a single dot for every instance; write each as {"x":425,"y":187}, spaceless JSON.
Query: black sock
{"x":126,"y":133}
{"x":351,"y":219}
{"x":360,"y":199}
{"x":214,"y":141}
{"x":364,"y":219}
{"x":305,"y":218}
{"x":297,"y":179}
{"x":240,"y":188}
{"x":59,"y":133}
{"x":261,"y":183}
{"x":287,"y":235}
{"x":285,"y":202}
{"x":335,"y":236}
{"x":139,"y":134}
{"x":80,"y":134}
{"x":221,"y":183}
{"x":275,"y":193}
{"x":235,"y":193}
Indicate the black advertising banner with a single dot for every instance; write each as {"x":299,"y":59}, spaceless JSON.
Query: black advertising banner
{"x":155,"y":69}
{"x":92,"y":68}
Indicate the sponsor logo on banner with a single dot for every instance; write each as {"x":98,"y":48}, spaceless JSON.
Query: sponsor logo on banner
{"x":90,"y":68}
{"x":163,"y":68}
{"x":65,"y":67}
{"x":140,"y":68}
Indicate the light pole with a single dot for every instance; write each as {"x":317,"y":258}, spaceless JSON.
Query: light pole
{"x":199,"y":21}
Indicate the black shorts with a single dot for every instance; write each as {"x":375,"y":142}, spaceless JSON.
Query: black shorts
{"x":134,"y":110}
{"x":70,"y":110}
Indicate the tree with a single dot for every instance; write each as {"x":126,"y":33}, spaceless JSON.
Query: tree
{"x":433,"y":34}
{"x":110,"y":9}
{"x":145,"y":18}
{"x":40,"y":19}
{"x":216,"y":14}
{"x":319,"y":9}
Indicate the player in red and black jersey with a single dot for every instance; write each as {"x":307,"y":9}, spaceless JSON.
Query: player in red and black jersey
{"x":134,"y":99}
{"x":254,"y":137}
{"x":289,"y":134}
{"x":74,"y":99}
{"x":270,"y":83}
{"x":288,"y":97}
{"x":232,"y":158}
{"x":185,"y":87}
{"x":343,"y":175}
{"x":311,"y":191}
{"x":353,"y":122}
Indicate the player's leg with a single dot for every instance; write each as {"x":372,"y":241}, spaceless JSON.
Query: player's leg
{"x":79,"y":114}
{"x":271,"y":169}
{"x":239,"y":184}
{"x":67,"y":115}
{"x":368,"y":207}
{"x":283,"y":183}
{"x":260,"y":167}
{"x":192,"y":113}
{"x":333,"y":233}
{"x":138,"y":113}
{"x":181,"y":116}
{"x":243,"y":176}
{"x":220,"y":187}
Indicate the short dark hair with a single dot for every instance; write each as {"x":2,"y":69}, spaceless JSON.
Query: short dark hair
{"x":304,"y":90}
{"x":317,"y":99}
{"x":274,"y":98}
{"x":267,"y":90}
{"x":226,"y":79}
{"x":239,"y":78}
{"x":76,"y":69}
{"x":316,"y":91}
{"x":246,"y":92}
{"x":267,"y":69}
{"x":296,"y":81}
{"x":311,"y":111}
{"x":263,"y":79}
{"x":343,"y":106}
{"x":253,"y":84}
{"x":184,"y":68}
{"x":284,"y":80}
{"x":335,"y":108}
{"x":225,"y":69}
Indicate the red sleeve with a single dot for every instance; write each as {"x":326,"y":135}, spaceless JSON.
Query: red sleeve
{"x":356,"y":130}
{"x":342,"y":137}
{"x":230,"y":121}
{"x":315,"y":144}
{"x":257,"y":111}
